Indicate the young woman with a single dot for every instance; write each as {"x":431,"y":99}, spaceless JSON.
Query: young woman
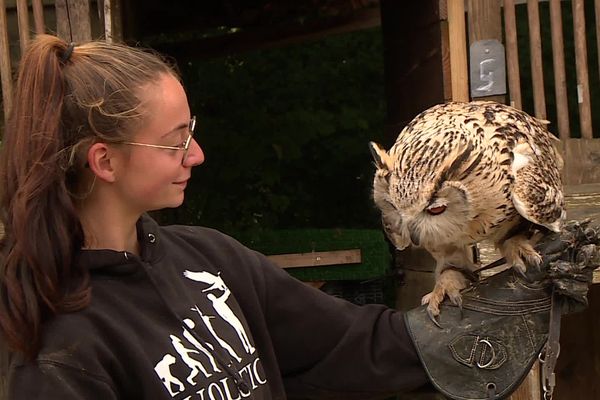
{"x":99,"y":302}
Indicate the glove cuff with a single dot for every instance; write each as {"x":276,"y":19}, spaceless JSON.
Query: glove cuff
{"x":485,"y":350}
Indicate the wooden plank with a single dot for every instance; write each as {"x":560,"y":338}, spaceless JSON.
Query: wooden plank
{"x":512,"y":54}
{"x":5,"y":68}
{"x":458,"y":50}
{"x":560,"y":79}
{"x":23,"y":18}
{"x":583,"y":88}
{"x":73,"y":20}
{"x":317,"y":258}
{"x":581,"y":161}
{"x":485,"y":22}
{"x":38,"y":16}
{"x":583,"y":201}
{"x":535,"y":48}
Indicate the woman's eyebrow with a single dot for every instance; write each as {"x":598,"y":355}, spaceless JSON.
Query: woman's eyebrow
{"x":178,"y":127}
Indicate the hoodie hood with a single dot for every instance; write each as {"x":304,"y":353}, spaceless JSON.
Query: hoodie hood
{"x":122,"y":263}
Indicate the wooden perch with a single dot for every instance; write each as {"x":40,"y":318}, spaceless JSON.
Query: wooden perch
{"x":317,"y":258}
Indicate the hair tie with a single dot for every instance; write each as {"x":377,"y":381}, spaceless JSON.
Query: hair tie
{"x":67,"y":54}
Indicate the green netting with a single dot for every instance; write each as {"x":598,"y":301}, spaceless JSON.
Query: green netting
{"x":376,"y":258}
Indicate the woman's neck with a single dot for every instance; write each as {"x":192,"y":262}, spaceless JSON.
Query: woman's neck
{"x":107,"y":225}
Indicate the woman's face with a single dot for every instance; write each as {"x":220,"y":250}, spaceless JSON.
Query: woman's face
{"x":149,"y":178}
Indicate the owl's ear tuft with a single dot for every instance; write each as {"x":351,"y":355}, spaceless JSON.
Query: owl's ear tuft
{"x":381,"y":157}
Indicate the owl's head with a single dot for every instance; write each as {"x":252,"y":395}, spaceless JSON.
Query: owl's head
{"x":426,"y":209}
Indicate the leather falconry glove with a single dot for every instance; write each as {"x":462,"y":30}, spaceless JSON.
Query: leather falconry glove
{"x":507,"y":321}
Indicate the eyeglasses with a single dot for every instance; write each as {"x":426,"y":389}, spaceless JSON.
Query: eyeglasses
{"x":185,"y":145}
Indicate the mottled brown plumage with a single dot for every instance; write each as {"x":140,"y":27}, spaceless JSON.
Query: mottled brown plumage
{"x":460,"y":173}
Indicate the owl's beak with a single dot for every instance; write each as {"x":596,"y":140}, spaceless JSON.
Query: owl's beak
{"x":414,"y":236}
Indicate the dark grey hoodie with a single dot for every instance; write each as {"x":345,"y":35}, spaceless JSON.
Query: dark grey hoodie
{"x":199,"y":316}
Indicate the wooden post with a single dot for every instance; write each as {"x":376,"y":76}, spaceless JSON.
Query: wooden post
{"x":535,"y":46}
{"x":583,"y":89}
{"x":108,"y":23}
{"x":597,"y":13}
{"x":415,"y":70}
{"x":530,"y":388}
{"x":73,"y":20}
{"x":485,"y":23}
{"x":458,"y":50}
{"x":512,"y":54}
{"x":38,"y":16}
{"x":23,"y":17}
{"x":560,"y":80}
{"x":5,"y":68}
{"x":578,"y":365}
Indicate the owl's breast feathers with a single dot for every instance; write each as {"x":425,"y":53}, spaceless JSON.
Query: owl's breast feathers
{"x":504,"y":158}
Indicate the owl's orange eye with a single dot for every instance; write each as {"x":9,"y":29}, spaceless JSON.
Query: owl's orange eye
{"x":436,"y":210}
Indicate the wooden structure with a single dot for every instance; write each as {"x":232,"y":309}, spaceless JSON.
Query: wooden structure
{"x":419,"y":73}
{"x":70,"y":19}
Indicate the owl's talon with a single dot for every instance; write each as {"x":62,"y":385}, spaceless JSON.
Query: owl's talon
{"x":433,"y":318}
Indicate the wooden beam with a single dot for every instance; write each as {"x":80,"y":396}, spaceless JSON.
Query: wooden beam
{"x":269,"y":36}
{"x":317,"y":258}
{"x":458,"y":50}
{"x":73,"y":20}
{"x":5,"y":67}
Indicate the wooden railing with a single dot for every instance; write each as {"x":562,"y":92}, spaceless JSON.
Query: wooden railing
{"x":459,"y":71}
{"x":580,"y":154}
{"x":73,"y":22}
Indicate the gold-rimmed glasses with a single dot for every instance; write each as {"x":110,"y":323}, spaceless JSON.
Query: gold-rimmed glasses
{"x":184,"y":146}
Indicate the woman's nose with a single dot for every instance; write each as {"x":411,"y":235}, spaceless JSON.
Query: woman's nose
{"x":195,"y":155}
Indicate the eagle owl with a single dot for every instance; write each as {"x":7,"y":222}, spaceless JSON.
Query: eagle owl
{"x":460,"y":173}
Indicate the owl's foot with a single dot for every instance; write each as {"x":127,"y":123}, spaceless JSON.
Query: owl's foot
{"x":519,"y":253}
{"x":450,"y":282}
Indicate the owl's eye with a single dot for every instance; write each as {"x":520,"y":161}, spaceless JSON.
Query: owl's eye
{"x":436,"y":210}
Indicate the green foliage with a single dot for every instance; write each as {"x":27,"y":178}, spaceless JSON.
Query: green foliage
{"x":285,"y":135}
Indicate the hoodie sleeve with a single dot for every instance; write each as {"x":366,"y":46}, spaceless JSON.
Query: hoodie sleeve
{"x":55,"y":381}
{"x":328,"y":347}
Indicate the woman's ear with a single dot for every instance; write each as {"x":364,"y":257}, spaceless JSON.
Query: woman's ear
{"x":101,"y":162}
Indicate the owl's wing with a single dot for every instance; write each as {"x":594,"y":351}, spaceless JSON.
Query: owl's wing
{"x":537,"y":190}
